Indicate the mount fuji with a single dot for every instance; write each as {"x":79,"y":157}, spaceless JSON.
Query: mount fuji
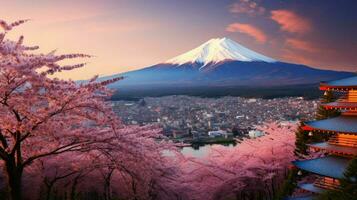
{"x":219,"y":50}
{"x":223,"y":63}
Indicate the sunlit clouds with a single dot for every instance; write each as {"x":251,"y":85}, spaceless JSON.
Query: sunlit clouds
{"x":248,"y":29}
{"x":298,"y":32}
{"x":290,"y":22}
{"x":291,"y":27}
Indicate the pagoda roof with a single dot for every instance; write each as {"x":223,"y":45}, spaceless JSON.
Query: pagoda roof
{"x":311,"y":188}
{"x":347,"y":83}
{"x":346,"y":150}
{"x":329,"y":166}
{"x":341,"y":105}
{"x":342,"y":123}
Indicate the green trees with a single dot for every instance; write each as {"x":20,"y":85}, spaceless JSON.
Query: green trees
{"x":304,"y":137}
{"x":349,"y":182}
{"x":322,"y":112}
{"x":289,"y":185}
{"x":300,"y":142}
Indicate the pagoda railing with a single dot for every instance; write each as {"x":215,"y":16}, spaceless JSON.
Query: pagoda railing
{"x":327,"y":183}
{"x":350,"y":96}
{"x":338,"y":139}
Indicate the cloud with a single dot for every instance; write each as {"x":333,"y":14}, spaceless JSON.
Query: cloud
{"x":249,"y":7}
{"x":301,"y":45}
{"x":248,"y":29}
{"x":290,"y":21}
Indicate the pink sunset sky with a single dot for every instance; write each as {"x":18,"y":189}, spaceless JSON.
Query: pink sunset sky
{"x":125,"y":35}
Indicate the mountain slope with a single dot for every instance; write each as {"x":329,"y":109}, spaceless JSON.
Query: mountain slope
{"x":224,"y":63}
{"x":218,"y":50}
{"x":228,"y":73}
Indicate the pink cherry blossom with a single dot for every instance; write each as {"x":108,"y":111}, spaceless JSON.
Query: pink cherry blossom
{"x":57,"y":133}
{"x":250,"y":169}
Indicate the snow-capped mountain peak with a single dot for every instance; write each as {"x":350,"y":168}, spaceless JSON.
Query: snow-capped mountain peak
{"x":217,"y":50}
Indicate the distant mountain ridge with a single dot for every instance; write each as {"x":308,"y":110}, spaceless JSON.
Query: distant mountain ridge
{"x":221,"y":62}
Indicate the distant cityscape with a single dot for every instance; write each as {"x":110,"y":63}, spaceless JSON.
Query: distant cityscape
{"x":195,"y":117}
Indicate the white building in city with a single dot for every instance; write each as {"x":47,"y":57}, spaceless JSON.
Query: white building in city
{"x":218,"y":133}
{"x":255,"y":133}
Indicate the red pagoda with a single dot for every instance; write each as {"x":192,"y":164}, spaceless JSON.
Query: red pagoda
{"x":340,"y":147}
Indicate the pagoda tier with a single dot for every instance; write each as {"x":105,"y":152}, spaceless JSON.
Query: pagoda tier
{"x":335,"y":149}
{"x":338,"y":144}
{"x":329,"y":166}
{"x":326,"y":183}
{"x":341,"y":124}
{"x":329,"y":169}
{"x":311,"y":188}
{"x":341,"y":105}
{"x":340,"y":85}
{"x":346,"y":102}
{"x":320,"y":185}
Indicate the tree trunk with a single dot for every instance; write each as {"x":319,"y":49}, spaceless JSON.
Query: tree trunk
{"x":49,"y":190}
{"x":273,"y":188}
{"x":74,"y":187}
{"x":107,"y":185}
{"x":268,"y":190}
{"x":14,"y":175}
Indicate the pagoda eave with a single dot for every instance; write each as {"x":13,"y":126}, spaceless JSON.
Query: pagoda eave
{"x":340,"y":85}
{"x":341,"y":124}
{"x":336,"y":88}
{"x":310,"y":128}
{"x":329,"y":166}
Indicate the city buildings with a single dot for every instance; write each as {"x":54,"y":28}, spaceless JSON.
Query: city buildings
{"x":181,"y":115}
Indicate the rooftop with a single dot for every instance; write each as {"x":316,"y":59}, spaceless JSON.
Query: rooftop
{"x":329,"y":166}
{"x":342,"y":83}
{"x":342,"y":123}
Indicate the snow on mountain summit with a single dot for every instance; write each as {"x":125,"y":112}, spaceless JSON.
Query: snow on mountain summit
{"x":217,"y":50}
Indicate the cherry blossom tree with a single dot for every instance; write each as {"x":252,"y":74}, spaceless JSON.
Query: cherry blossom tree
{"x":50,"y":175}
{"x":44,"y":119}
{"x":43,"y":116}
{"x":145,"y":169}
{"x":252,"y":169}
{"x":110,"y":172}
